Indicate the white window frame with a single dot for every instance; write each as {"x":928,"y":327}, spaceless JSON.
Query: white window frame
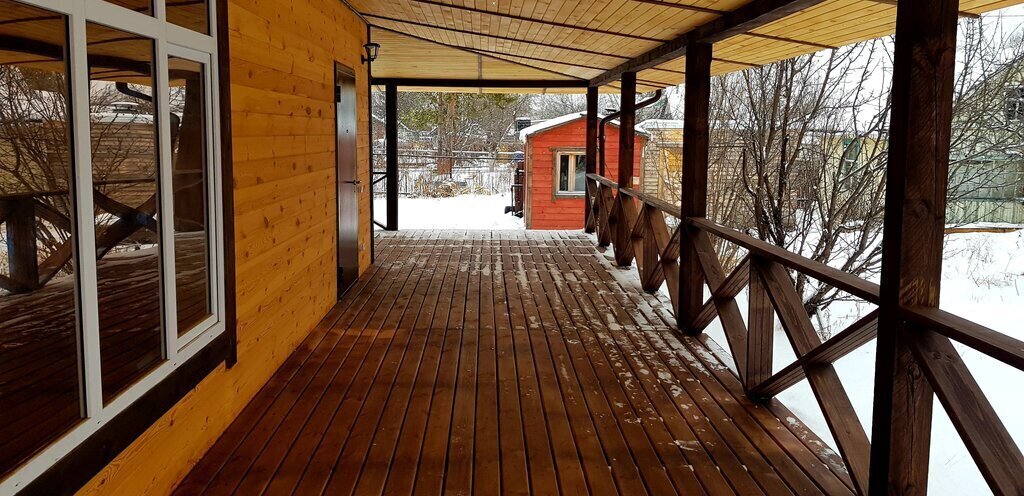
{"x":556,"y":171}
{"x":169,"y":40}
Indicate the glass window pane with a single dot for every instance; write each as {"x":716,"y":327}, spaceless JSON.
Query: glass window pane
{"x":191,"y":14}
{"x":563,"y":173}
{"x":125,"y":184}
{"x":189,"y":158}
{"x":38,"y":328}
{"x":141,"y":6}
{"x":581,"y":173}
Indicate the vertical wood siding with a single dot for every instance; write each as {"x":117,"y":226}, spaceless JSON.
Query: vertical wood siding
{"x":282,"y":80}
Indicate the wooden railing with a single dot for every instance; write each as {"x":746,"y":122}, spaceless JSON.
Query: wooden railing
{"x":22,"y":213}
{"x":637,"y":226}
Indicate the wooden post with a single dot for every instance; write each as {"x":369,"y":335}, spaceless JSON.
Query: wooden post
{"x":915,"y":207}
{"x":391,"y":155}
{"x":695,"y":176}
{"x":592,"y":122}
{"x":627,"y":133}
{"x":760,"y":332}
{"x":21,"y":244}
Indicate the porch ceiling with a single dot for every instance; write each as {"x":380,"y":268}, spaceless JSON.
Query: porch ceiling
{"x":582,"y":40}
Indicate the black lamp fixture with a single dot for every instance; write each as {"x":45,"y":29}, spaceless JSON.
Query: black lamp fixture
{"x":372,"y":50}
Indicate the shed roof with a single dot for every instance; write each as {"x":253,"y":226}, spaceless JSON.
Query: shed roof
{"x":572,"y":43}
{"x":563,"y":120}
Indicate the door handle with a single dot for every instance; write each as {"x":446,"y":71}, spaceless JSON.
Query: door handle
{"x":355,"y":182}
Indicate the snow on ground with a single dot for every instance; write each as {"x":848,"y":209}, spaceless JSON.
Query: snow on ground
{"x":458,"y":212}
{"x":983,"y":281}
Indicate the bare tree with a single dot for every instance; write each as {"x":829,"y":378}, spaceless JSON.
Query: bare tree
{"x":804,"y":142}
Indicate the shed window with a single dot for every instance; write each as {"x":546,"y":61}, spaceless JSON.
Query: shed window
{"x":571,"y":173}
{"x":111,"y":258}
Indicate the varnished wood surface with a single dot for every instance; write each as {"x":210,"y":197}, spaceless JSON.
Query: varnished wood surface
{"x":508,"y":362}
{"x":565,"y":39}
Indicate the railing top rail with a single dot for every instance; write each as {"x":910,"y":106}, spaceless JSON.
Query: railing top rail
{"x":657,"y":203}
{"x":603,"y":180}
{"x":844,"y":281}
{"x":988,"y":341}
{"x":59,"y":192}
{"x":653,"y":201}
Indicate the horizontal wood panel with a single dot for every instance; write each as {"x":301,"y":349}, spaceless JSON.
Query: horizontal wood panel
{"x":282,"y":72}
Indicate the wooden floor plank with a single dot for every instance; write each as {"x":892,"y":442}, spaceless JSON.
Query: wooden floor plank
{"x":259,"y":434}
{"x":506,"y":362}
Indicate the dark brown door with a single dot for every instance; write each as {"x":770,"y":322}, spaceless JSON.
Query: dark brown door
{"x":349,"y":186}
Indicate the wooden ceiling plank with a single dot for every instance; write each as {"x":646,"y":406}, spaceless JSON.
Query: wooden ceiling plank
{"x":455,"y":7}
{"x":481,"y":83}
{"x":562,"y":76}
{"x":673,"y":5}
{"x":751,"y":16}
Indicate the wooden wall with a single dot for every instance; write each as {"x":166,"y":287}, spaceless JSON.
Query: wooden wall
{"x":282,"y":75}
{"x":543,"y":209}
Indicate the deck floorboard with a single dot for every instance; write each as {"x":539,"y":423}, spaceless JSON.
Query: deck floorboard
{"x":508,"y":362}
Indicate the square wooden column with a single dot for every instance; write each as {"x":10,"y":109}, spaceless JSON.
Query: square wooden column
{"x":592,"y":123}
{"x":627,"y":131}
{"x":695,"y":177}
{"x":915,"y":208}
{"x":391,"y":155}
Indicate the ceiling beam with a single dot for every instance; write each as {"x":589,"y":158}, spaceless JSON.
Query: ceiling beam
{"x":960,"y":13}
{"x":509,"y":58}
{"x":742,"y":20}
{"x":682,"y":6}
{"x":538,"y":21}
{"x":495,"y":36}
{"x":792,"y":40}
{"x":482,"y":83}
{"x":513,"y":40}
{"x":474,"y":51}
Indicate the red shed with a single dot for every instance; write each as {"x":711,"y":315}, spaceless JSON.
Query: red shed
{"x":555,"y":166}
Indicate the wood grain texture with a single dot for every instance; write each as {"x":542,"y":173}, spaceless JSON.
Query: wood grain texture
{"x":915,"y":209}
{"x":479,"y":362}
{"x":598,"y":42}
{"x":282,"y":70}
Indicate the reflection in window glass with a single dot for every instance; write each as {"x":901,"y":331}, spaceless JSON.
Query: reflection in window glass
{"x":580,"y":183}
{"x":191,"y":14}
{"x":572,"y":173}
{"x":141,"y":6}
{"x":38,"y":329}
{"x":125,"y":185}
{"x":191,"y":229}
{"x":563,"y":173}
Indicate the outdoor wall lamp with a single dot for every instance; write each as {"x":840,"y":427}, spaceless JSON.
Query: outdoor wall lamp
{"x":372,"y":50}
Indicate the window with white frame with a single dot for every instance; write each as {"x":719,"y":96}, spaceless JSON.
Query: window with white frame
{"x":570,"y":173}
{"x":111,"y":259}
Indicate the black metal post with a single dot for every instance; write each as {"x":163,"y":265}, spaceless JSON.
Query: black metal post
{"x":391,"y":150}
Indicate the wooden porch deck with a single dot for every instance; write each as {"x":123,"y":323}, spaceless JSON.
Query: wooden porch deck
{"x":508,"y":362}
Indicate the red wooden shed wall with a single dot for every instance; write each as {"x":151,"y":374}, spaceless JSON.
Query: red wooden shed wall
{"x":543,"y":209}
